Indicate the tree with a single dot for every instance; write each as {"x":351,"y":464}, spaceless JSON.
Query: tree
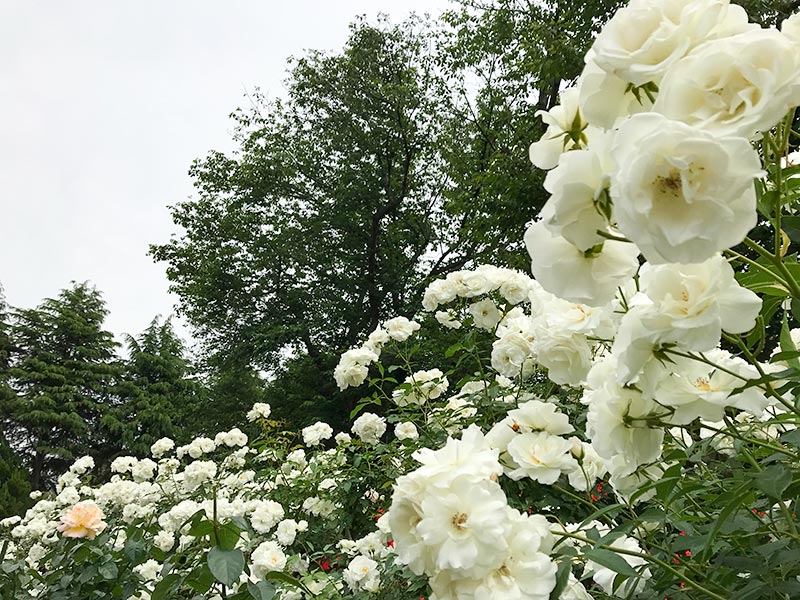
{"x":374,"y":175}
{"x":14,"y":485}
{"x":318,"y":227}
{"x":159,"y":395}
{"x":505,"y":60}
{"x":63,"y":373}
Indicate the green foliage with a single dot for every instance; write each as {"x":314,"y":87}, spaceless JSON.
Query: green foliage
{"x":63,"y":373}
{"x":312,"y":232}
{"x":401,"y":158}
{"x":159,"y":395}
{"x":14,"y":485}
{"x":505,"y":60}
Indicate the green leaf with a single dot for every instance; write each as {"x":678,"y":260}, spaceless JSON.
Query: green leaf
{"x":562,"y":578}
{"x":287,"y":579}
{"x":225,"y":565}
{"x":202,"y":528}
{"x":610,"y":560}
{"x":773,"y":480}
{"x":792,"y":438}
{"x":595,"y":516}
{"x":731,"y":507}
{"x":228,"y":534}
{"x":787,"y":345}
{"x":134,"y":551}
{"x":261,"y":590}
{"x":766,"y":203}
{"x":108,"y":570}
{"x":791,"y":227}
{"x":452,"y":350}
{"x":784,"y":356}
{"x":200,"y":579}
{"x":164,"y":588}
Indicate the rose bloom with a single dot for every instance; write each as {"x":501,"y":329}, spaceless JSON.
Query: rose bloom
{"x":681,"y":194}
{"x":585,"y":277}
{"x":734,"y":86}
{"x":606,"y":98}
{"x":85,"y":519}
{"x":643,"y":39}
{"x":576,"y":185}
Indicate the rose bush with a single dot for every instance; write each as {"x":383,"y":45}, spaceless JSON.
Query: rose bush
{"x":623,"y":424}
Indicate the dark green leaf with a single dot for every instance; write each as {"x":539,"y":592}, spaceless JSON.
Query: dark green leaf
{"x":225,"y":565}
{"x":773,"y":480}
{"x":261,"y":590}
{"x":610,"y":560}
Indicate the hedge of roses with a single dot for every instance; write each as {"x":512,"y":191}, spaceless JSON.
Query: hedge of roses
{"x":627,"y":423}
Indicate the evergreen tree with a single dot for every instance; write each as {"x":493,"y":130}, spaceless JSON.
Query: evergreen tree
{"x":159,"y":396}
{"x":14,"y":483}
{"x":63,"y":371}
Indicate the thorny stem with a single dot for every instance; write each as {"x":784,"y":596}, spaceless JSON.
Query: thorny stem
{"x":794,"y":288}
{"x":767,"y":385}
{"x":786,"y":513}
{"x":649,"y":558}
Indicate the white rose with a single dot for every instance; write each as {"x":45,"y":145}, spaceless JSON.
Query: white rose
{"x":448,"y":319}
{"x":362,"y":574}
{"x":566,"y":355}
{"x":642,"y":40}
{"x":314,"y":434}
{"x":441,"y":291}
{"x":693,"y":303}
{"x":406,"y":431}
{"x":540,"y":456}
{"x":734,"y":86}
{"x":617,"y":419}
{"x":369,"y":428}
{"x":791,"y":27}
{"x":164,"y":540}
{"x":515,"y":287}
{"x":606,"y":98}
{"x":578,"y":187}
{"x":353,"y":369}
{"x":464,"y":527}
{"x":485,"y":314}
{"x":682,"y":194}
{"x":591,"y":277}
{"x":564,"y":127}
{"x":425,"y":385}
{"x":260,"y":410}
{"x":476,"y":283}
{"x":267,"y":557}
{"x":512,"y":356}
{"x":400,"y":328}
{"x":535,"y":415}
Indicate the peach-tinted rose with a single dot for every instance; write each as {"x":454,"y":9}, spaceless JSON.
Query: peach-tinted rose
{"x":84,"y":519}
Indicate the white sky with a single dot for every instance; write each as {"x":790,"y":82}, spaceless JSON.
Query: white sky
{"x":104,"y":105}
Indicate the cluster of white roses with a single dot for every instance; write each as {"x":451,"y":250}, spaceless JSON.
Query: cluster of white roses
{"x":420,"y":387}
{"x":511,"y":285}
{"x":654,"y":143}
{"x":209,"y":479}
{"x":450,"y":521}
{"x":651,"y":152}
{"x":353,"y":366}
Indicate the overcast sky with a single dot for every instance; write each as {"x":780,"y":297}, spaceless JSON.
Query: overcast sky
{"x":103,"y":106}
